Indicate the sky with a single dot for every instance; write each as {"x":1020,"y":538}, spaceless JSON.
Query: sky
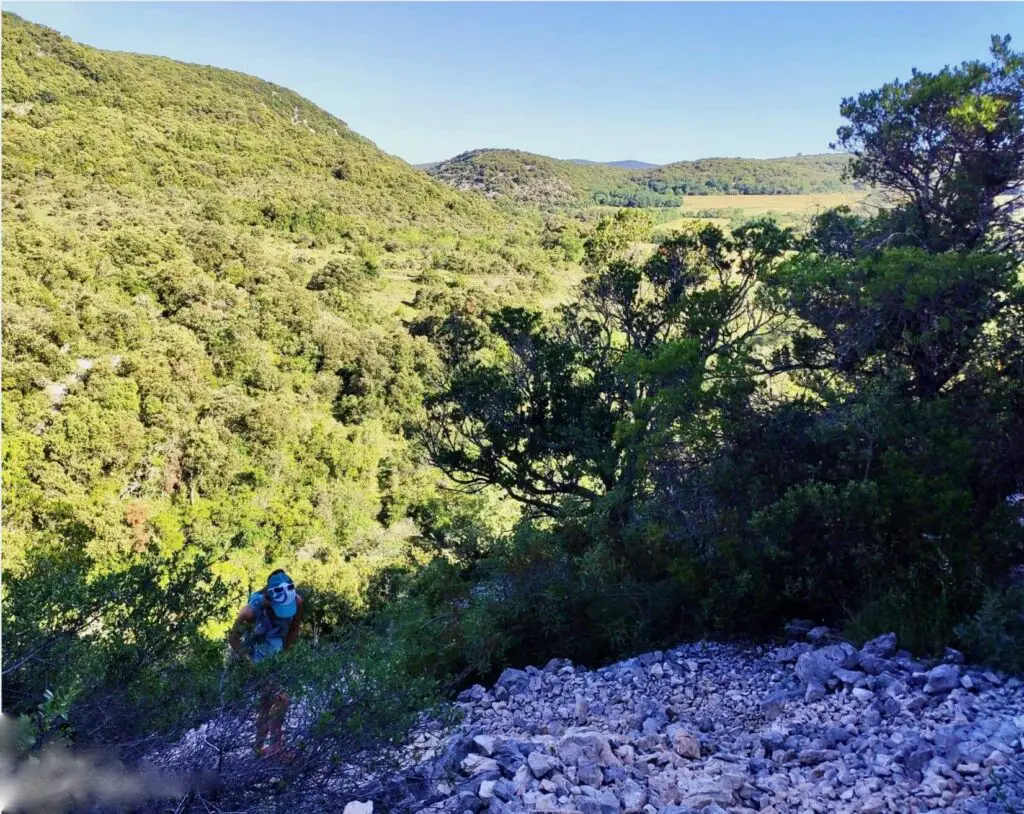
{"x":655,"y":82}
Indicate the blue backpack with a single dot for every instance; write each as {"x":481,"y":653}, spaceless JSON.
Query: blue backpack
{"x":268,"y":631}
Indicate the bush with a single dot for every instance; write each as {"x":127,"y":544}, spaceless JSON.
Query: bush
{"x":994,"y":634}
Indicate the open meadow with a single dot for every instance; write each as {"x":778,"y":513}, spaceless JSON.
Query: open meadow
{"x":788,"y":210}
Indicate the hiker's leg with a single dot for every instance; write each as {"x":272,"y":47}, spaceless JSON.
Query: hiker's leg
{"x":277,"y":712}
{"x":263,"y":714}
{"x":262,"y":723}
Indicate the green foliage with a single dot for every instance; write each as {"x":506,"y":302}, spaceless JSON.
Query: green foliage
{"x":951,"y":144}
{"x":565,"y":235}
{"x":995,"y":633}
{"x":573,"y":411}
{"x":110,"y":650}
{"x":899,"y":313}
{"x":755,"y":427}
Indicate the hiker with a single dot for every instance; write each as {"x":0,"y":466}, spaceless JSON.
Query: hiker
{"x":269,"y":622}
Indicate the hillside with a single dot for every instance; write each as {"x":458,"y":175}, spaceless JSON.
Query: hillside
{"x":201,"y":357}
{"x":549,"y":182}
{"x":628,"y":163}
{"x":730,"y":727}
{"x":156,"y":128}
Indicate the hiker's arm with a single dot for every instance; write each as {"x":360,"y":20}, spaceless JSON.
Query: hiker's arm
{"x":245,"y":618}
{"x":293,"y":631}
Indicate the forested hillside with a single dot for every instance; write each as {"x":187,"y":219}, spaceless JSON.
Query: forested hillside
{"x":628,"y":163}
{"x":203,"y":373}
{"x":550,"y":182}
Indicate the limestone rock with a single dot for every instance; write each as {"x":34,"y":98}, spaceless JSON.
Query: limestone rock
{"x":589,"y":774}
{"x":590,"y":747}
{"x":605,"y":803}
{"x":476,"y":764}
{"x":514,"y":681}
{"x":819,"y":665}
{"x":683,"y":743}
{"x":942,"y":679}
{"x":684,"y":731}
{"x":815,"y":691}
{"x":541,"y":764}
{"x":882,"y":647}
{"x":702,"y":792}
{"x":485,"y":744}
{"x":633,"y":797}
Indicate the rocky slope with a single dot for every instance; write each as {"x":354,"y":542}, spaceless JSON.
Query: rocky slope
{"x":814,"y":726}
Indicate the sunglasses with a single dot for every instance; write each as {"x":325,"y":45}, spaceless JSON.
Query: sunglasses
{"x":277,"y":591}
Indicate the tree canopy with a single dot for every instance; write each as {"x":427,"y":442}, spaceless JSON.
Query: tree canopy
{"x":951,"y":144}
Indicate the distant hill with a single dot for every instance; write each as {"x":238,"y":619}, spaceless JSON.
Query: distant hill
{"x":628,"y":164}
{"x":550,"y":182}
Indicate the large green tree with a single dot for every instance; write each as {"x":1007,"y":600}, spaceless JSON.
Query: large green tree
{"x":950,"y":145}
{"x":649,"y":357}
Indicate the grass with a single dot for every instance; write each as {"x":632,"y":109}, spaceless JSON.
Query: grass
{"x":764,"y":204}
{"x":789,"y":210}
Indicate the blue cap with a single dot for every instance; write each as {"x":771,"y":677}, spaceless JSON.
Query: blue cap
{"x":283,"y":602}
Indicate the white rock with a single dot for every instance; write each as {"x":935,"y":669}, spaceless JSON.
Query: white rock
{"x":486,"y":744}
{"x":56,"y":391}
{"x":475,"y":764}
{"x":541,"y":764}
{"x":942,"y":679}
{"x":521,"y":780}
{"x":878,"y":744}
{"x":588,"y":746}
{"x":486,"y":791}
{"x":633,"y":797}
{"x":683,"y":743}
{"x":701,"y":792}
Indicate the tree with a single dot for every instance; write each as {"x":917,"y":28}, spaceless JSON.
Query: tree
{"x":647,"y":358}
{"x":902,"y":314}
{"x":950,"y":145}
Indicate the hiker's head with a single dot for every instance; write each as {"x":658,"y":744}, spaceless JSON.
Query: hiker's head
{"x":280,"y":591}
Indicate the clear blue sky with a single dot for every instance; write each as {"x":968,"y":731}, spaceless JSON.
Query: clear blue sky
{"x":650,"y":81}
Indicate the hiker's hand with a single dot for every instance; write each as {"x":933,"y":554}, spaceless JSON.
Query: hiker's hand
{"x":244,"y":663}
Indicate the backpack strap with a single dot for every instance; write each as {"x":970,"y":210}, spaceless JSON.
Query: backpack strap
{"x":268,"y":631}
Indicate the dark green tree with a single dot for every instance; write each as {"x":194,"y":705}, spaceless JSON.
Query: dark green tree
{"x":648,"y":357}
{"x":950,"y":146}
